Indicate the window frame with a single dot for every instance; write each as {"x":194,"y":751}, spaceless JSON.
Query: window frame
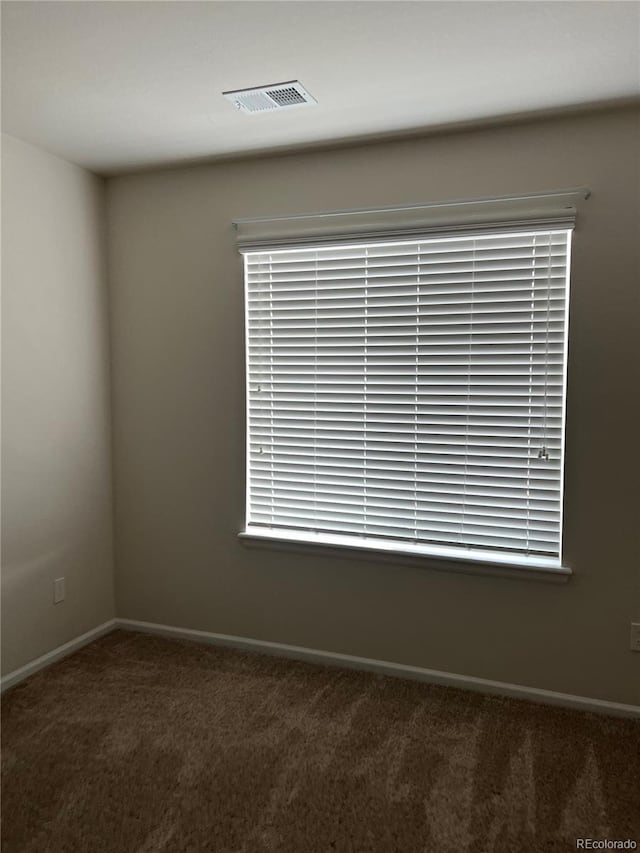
{"x":507,"y":563}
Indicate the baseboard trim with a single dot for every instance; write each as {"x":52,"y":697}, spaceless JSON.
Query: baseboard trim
{"x":397,"y":670}
{"x":430,"y":676}
{"x":18,"y":675}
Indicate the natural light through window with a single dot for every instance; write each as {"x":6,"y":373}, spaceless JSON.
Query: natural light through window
{"x":409,"y":395}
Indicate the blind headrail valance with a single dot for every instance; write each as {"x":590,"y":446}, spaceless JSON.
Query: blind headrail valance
{"x":557,"y":208}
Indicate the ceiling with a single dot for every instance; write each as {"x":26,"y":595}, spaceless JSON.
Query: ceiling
{"x":117,"y":86}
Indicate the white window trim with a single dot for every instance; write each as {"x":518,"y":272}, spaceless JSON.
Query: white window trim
{"x":466,"y":561}
{"x":548,"y":209}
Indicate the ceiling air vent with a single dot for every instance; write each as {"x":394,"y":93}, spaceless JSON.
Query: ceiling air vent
{"x":280,"y":96}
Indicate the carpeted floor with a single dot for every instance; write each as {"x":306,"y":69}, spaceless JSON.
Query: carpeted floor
{"x":138,"y":744}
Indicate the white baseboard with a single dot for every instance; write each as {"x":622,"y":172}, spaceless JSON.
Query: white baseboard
{"x":47,"y":659}
{"x":398,"y":670}
{"x":430,"y":676}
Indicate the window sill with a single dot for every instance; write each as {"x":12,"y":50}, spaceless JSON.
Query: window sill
{"x":440,"y":559}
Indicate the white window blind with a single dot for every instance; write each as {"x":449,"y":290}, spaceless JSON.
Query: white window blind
{"x":410,"y":391}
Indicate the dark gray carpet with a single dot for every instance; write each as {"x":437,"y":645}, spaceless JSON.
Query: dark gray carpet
{"x":137,"y":744}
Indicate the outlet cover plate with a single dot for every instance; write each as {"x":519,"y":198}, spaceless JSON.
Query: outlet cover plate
{"x":635,"y":637}
{"x":59,"y":591}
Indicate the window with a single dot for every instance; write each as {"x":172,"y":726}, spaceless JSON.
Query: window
{"x":408,"y":394}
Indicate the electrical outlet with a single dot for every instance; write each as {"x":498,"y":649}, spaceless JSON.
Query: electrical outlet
{"x":635,"y":637}
{"x":59,"y":591}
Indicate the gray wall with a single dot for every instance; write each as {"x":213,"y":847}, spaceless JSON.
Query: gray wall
{"x":56,"y":465}
{"x":177,"y":317}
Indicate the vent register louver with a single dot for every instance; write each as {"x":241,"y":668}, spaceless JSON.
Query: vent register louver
{"x":280,"y":96}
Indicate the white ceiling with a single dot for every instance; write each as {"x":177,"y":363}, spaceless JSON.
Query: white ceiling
{"x":116,"y":86}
